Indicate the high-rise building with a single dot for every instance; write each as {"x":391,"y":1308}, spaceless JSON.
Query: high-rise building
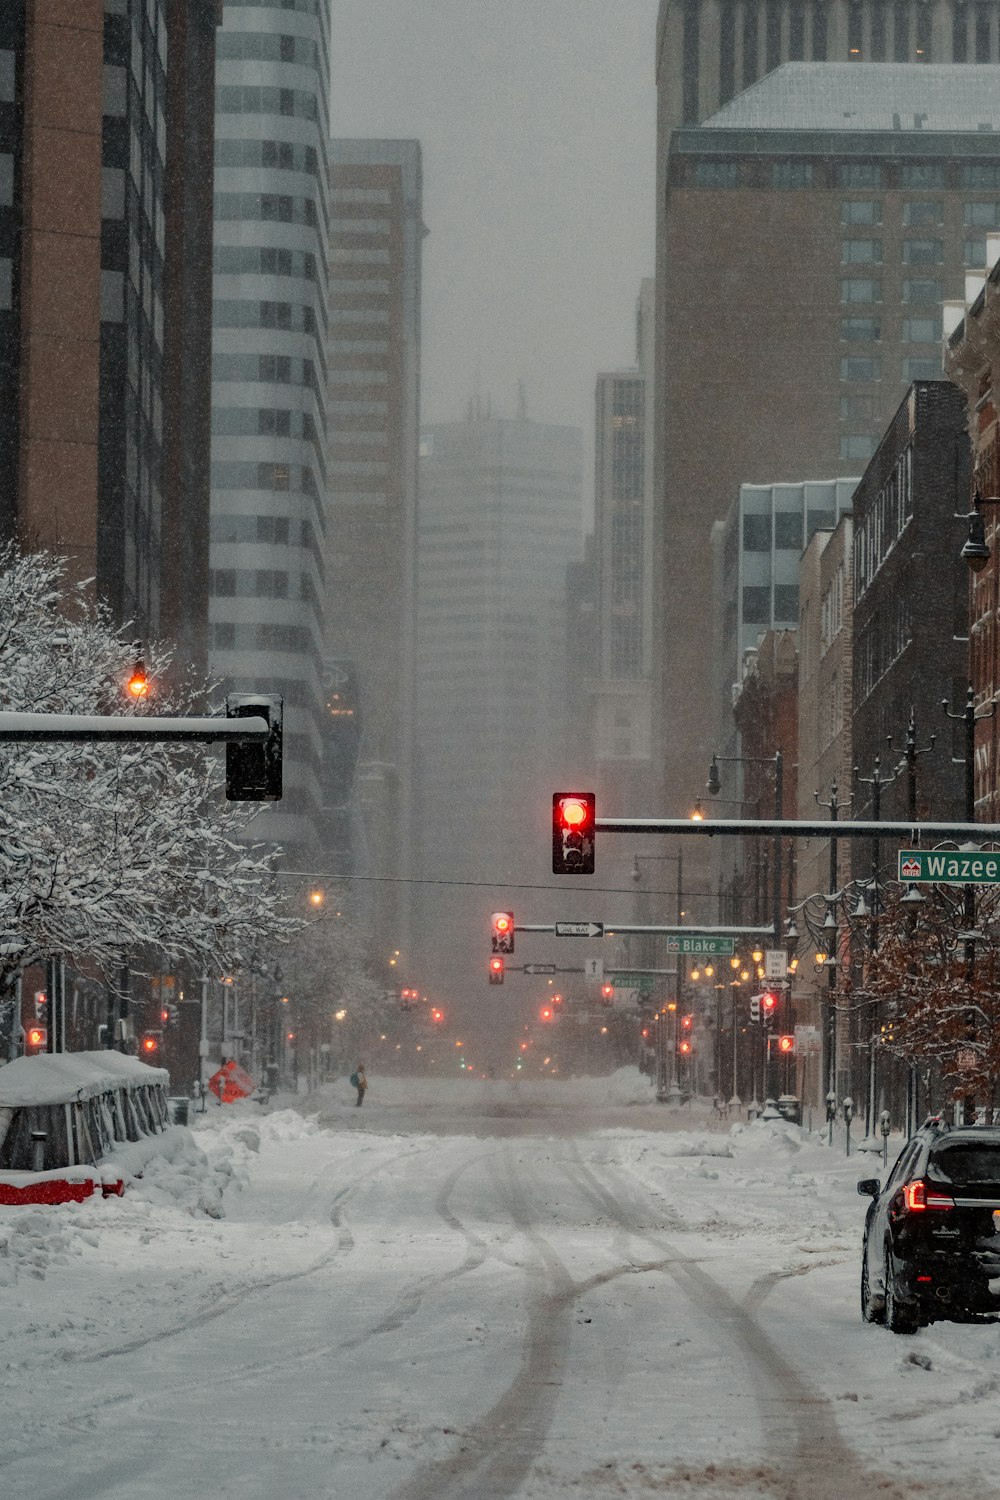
{"x":90,"y":135}
{"x":621,"y":720}
{"x":376,"y":235}
{"x":709,"y":50}
{"x":500,"y":521}
{"x":813,"y":227}
{"x":269,"y":390}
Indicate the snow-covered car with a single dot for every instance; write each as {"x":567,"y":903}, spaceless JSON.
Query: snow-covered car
{"x":75,"y":1122}
{"x":932,"y":1233}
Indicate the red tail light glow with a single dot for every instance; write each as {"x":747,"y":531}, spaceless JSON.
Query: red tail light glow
{"x":920,"y":1195}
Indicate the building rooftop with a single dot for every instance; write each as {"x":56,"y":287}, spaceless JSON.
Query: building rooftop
{"x":898,"y":97}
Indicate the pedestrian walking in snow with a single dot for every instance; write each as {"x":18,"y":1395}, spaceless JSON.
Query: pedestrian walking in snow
{"x":359,"y":1082}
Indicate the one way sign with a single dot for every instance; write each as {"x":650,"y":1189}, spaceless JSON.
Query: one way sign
{"x":579,"y":929}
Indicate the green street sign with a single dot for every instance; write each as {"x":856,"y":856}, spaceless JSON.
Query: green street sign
{"x":949,"y":867}
{"x":625,"y":981}
{"x":702,"y":945}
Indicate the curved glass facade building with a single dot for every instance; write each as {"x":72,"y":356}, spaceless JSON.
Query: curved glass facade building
{"x":269,"y":422}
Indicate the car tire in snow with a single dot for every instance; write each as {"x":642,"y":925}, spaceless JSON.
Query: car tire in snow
{"x":872,"y":1307}
{"x":899,"y":1318}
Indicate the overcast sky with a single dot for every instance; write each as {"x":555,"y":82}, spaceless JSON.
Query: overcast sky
{"x":537,"y":121}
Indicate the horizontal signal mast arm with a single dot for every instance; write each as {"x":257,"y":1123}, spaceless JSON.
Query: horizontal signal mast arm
{"x":973,"y":833}
{"x":20,"y":729}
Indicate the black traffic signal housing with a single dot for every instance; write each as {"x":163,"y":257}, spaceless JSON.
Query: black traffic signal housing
{"x":496,"y":970}
{"x":685,"y":1047}
{"x":786,"y":1045}
{"x":755,"y":1007}
{"x":253,"y":771}
{"x":769,"y":1007}
{"x":36,"y":1039}
{"x":607,"y":994}
{"x":149,"y":1046}
{"x":574,"y":819}
{"x":502,"y":934}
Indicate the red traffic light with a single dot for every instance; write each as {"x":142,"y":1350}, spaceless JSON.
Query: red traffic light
{"x":687,"y":1022}
{"x":574,"y":816}
{"x":503,"y":932}
{"x":684,"y":1048}
{"x":36,"y":1037}
{"x":436,"y":1014}
{"x":786,"y":1044}
{"x":769,"y":1002}
{"x":496,"y":970}
{"x":607,"y":994}
{"x":546,"y":1013}
{"x":150,"y":1042}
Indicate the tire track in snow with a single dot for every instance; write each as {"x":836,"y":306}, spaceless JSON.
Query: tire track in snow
{"x":802,"y":1439}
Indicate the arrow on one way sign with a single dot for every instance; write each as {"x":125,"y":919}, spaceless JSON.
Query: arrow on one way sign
{"x":579,"y":929}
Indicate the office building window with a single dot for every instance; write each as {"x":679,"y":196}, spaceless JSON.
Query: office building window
{"x":791,"y":174}
{"x":716,"y":174}
{"x":984,"y":175}
{"x":860,"y":330}
{"x":982,"y":215}
{"x":901,"y":31}
{"x":857,"y":445}
{"x":974,"y":253}
{"x":861,"y":211}
{"x":788,"y":530}
{"x":6,"y":283}
{"x":921,"y":330}
{"x":859,"y":174}
{"x":923,"y":252}
{"x":860,"y":367}
{"x":878,"y":31}
{"x":756,"y":533}
{"x":855,"y":31}
{"x":860,"y":252}
{"x":922,"y":174}
{"x":920,"y":368}
{"x":796,"y":32}
{"x":751,"y":32}
{"x":959,"y":34}
{"x":923,"y":33}
{"x":983,"y":33}
{"x":786,"y":603}
{"x":860,"y":289}
{"x":923,"y":291}
{"x":926,"y":211}
{"x":857,"y":409}
{"x":819,"y":30}
{"x":756,"y":606}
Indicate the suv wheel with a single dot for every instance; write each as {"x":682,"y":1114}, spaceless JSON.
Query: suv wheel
{"x":872,"y":1309}
{"x":899,"y":1317}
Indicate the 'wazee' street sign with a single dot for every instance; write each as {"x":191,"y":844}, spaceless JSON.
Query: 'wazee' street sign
{"x":579,"y":929}
{"x":702,"y":944}
{"x":949,"y":866}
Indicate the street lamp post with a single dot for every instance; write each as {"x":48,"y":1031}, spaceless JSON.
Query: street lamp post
{"x":666,"y":1036}
{"x":876,"y":781}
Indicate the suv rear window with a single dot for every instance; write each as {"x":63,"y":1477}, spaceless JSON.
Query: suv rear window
{"x":964,"y":1164}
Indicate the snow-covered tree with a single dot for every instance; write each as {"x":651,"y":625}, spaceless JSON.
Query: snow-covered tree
{"x":108,"y":849}
{"x":326,"y":972}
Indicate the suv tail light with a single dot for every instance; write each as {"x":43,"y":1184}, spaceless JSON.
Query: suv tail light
{"x":920,"y":1195}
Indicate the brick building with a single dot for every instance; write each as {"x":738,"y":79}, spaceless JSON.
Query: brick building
{"x":814,"y":226}
{"x":910,"y":603}
{"x":972,"y":359}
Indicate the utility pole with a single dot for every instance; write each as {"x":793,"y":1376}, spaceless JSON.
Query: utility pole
{"x":909,"y":764}
{"x":833,"y":954}
{"x":876,"y":781}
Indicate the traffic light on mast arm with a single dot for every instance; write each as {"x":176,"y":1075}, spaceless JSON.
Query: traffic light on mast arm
{"x":253,"y":771}
{"x":574,"y":816}
{"x":607,"y":994}
{"x":768,"y":1007}
{"x":496,"y":970}
{"x":503,"y":932}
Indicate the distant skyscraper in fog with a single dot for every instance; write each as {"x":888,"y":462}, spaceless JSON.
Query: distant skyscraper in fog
{"x":376,"y":234}
{"x":623,"y":527}
{"x":500,"y":521}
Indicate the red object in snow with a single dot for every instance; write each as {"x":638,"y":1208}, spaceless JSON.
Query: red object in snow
{"x":231,"y":1082}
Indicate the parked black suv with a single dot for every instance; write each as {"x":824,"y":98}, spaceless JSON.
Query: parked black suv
{"x":932,"y":1234}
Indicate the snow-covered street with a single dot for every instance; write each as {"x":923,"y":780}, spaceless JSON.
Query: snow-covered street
{"x":477,"y":1289}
